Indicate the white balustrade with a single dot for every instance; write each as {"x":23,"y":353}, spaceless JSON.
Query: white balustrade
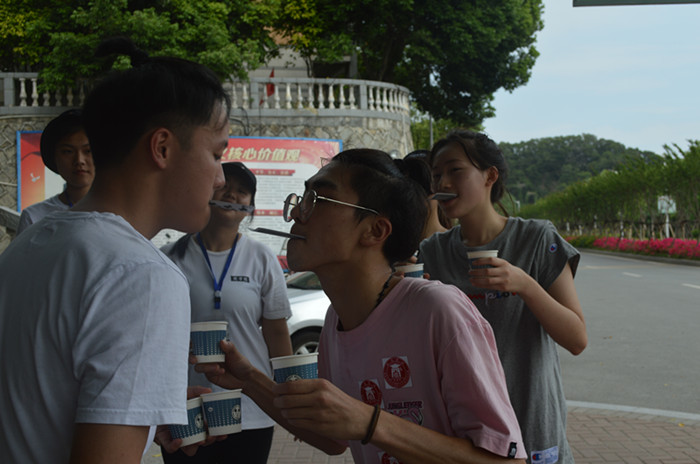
{"x":289,"y":94}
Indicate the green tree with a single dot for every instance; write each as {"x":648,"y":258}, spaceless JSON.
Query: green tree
{"x":683,"y":185}
{"x":547,"y":165}
{"x":628,"y":197}
{"x":16,"y":50}
{"x":452,"y":55}
{"x":421,"y":127}
{"x":229,"y":36}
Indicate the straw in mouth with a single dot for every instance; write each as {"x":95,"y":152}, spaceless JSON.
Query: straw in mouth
{"x":443,"y":196}
{"x":232,"y":206}
{"x":278,"y":233}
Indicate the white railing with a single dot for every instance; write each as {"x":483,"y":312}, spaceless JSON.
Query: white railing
{"x":269,"y":96}
{"x":21,"y":90}
{"x":319,"y":94}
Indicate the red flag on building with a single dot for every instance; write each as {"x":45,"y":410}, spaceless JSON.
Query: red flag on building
{"x":269,"y":88}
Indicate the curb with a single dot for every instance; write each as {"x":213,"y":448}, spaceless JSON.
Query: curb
{"x":658,"y":259}
{"x":634,"y":412}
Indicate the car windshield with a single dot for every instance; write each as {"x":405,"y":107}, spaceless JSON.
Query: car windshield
{"x":304,"y":281}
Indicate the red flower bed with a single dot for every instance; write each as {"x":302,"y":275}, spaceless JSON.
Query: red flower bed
{"x":668,"y":247}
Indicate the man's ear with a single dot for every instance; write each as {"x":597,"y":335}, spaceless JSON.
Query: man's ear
{"x":377,"y":232}
{"x":161,"y":145}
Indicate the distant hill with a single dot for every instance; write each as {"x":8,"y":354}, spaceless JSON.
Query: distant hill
{"x":539,"y":167}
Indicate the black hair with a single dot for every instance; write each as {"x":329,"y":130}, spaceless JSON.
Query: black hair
{"x":156,"y":92}
{"x":483,"y":153}
{"x":418,"y":169}
{"x":415,"y":166}
{"x":381,"y":186}
{"x":67,"y":123}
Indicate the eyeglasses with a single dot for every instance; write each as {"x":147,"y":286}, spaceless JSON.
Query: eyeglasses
{"x":306,"y":205}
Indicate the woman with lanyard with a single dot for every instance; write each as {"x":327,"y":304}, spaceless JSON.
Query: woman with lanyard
{"x":235,"y":278}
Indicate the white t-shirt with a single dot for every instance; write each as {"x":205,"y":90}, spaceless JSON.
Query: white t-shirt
{"x":35,"y":212}
{"x":94,"y":328}
{"x":253,"y":289}
{"x":424,"y":354}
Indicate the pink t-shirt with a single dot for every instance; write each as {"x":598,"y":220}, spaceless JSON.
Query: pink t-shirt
{"x":425,"y":354}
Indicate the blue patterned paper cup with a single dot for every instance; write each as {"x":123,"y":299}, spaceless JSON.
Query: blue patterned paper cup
{"x":223,"y":412}
{"x":411,"y":270}
{"x":474,"y":255}
{"x":205,"y":338}
{"x":295,"y":367}
{"x":194,"y":430}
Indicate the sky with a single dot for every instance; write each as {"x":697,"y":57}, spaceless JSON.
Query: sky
{"x":625,"y":73}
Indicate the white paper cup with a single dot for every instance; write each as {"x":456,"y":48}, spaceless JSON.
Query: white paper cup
{"x":295,"y":367}
{"x":474,"y":255}
{"x":411,"y":270}
{"x":223,"y":412}
{"x":205,"y":338}
{"x":194,"y":431}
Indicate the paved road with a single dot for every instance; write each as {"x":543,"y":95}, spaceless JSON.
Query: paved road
{"x":643,"y":322}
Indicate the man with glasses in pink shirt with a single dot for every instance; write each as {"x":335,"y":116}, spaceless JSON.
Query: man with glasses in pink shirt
{"x":408,"y":368}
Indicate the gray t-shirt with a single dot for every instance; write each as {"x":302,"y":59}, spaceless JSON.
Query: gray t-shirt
{"x":528,"y":354}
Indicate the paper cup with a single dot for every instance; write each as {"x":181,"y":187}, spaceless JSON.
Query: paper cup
{"x":205,"y":338}
{"x":223,"y":412}
{"x":474,"y":255}
{"x":295,"y":367}
{"x":194,"y":431}
{"x":411,"y":270}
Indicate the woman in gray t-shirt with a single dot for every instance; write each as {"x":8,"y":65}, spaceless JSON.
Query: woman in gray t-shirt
{"x":527,"y":293}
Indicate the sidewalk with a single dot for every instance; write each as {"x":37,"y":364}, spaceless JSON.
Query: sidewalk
{"x":597,"y":434}
{"x":609,"y":434}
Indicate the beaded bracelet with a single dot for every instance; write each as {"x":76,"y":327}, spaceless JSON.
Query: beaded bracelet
{"x":372,"y":425}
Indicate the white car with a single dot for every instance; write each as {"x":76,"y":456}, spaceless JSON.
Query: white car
{"x":309,"y":305}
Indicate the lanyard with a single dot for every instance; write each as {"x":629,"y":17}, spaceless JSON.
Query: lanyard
{"x":220,"y":283}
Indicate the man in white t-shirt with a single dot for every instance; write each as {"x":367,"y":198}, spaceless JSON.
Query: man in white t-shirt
{"x":409,"y":370}
{"x":94,"y":319}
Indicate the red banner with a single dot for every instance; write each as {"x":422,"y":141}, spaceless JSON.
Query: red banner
{"x":281,"y":150}
{"x":35,"y":182}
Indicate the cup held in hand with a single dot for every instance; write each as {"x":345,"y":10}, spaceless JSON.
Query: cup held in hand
{"x":411,"y":270}
{"x":223,"y":412}
{"x":295,"y":367}
{"x":474,"y":255}
{"x":194,"y":430}
{"x":206,"y":338}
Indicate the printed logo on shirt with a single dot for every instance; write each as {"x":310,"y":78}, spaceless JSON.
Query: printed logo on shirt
{"x":410,"y":410}
{"x":553,"y":248}
{"x":370,"y":392}
{"x":240,"y":279}
{"x":386,"y":459}
{"x":548,"y":456}
{"x":397,"y":374}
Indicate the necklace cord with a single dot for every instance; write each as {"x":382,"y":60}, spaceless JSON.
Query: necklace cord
{"x":381,"y":295}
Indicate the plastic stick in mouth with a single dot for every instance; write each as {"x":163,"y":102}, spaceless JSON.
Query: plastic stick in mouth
{"x":278,"y":233}
{"x":232,"y":206}
{"x":443,"y":196}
